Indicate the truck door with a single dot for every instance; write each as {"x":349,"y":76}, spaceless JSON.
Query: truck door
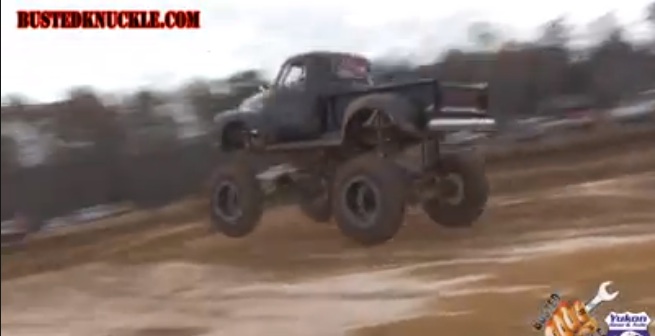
{"x":291,"y":108}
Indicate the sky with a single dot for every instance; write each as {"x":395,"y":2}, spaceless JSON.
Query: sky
{"x":244,"y":34}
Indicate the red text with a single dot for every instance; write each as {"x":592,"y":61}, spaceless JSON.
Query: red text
{"x":97,"y":19}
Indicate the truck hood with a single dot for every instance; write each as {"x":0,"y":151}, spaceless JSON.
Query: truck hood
{"x":253,"y":103}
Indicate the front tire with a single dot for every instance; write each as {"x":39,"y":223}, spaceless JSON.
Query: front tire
{"x":369,"y":199}
{"x":237,"y":200}
{"x":464,"y":191}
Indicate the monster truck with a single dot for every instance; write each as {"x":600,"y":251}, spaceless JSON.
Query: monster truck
{"x":346,"y":143}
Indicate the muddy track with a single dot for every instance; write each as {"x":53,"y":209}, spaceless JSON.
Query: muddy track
{"x":165,"y":233}
{"x":562,"y":218}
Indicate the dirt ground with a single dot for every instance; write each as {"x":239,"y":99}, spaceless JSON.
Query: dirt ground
{"x":564,"y":223}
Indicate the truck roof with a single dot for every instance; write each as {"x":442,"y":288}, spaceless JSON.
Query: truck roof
{"x":324,"y":54}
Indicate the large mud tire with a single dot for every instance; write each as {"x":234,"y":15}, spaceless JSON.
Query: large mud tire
{"x":237,"y":200}
{"x":368,"y":199}
{"x":470,"y":197}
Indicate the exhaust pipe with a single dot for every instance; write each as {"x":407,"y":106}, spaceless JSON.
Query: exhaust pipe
{"x":462,"y":124}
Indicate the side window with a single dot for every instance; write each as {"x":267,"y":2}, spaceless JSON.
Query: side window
{"x":294,"y":76}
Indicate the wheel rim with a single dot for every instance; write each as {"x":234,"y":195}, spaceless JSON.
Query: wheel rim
{"x":453,"y":189}
{"x":361,"y":200}
{"x":226,"y":201}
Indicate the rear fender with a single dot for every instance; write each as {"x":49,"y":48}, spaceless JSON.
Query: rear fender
{"x":398,"y":109}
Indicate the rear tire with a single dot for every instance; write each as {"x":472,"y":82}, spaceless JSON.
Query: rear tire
{"x":317,"y":209}
{"x":471,"y":191}
{"x":314,"y":198}
{"x":368,"y":199}
{"x":237,"y":200}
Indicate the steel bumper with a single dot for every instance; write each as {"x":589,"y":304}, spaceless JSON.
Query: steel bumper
{"x":462,"y":124}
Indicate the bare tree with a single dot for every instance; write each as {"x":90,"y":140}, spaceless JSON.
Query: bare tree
{"x":81,"y":116}
{"x":604,"y":28}
{"x":484,"y":35}
{"x":14,"y":100}
{"x":198,"y":93}
{"x":555,"y":33}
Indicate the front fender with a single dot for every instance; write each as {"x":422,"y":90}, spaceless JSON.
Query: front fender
{"x":222,"y":120}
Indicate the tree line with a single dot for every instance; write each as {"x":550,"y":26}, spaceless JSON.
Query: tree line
{"x":153,"y":147}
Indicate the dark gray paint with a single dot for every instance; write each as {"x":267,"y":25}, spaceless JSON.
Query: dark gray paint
{"x":324,"y":102}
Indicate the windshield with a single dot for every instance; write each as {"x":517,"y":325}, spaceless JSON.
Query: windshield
{"x":352,"y":67}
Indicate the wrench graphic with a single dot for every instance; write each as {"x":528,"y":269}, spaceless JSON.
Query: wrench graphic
{"x":602,"y":296}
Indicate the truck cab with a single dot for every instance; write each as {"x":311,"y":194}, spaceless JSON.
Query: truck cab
{"x":296,"y":100}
